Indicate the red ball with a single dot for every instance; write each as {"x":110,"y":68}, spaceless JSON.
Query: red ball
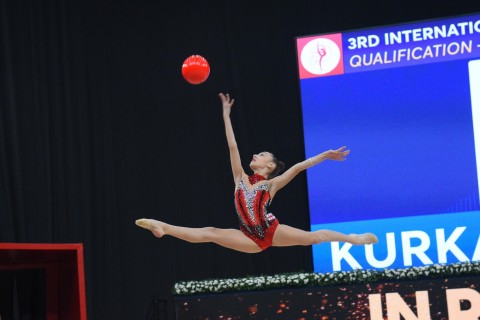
{"x":195,"y":69}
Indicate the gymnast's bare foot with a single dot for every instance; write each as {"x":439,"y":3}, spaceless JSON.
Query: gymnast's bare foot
{"x":366,"y":238}
{"x":156,"y":227}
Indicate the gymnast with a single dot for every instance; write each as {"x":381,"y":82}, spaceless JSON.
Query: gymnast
{"x":258,"y":228}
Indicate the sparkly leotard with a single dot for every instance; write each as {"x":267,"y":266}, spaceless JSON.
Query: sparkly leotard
{"x":252,"y":205}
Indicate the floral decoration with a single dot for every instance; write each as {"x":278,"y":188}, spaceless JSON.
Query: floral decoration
{"x":310,"y":279}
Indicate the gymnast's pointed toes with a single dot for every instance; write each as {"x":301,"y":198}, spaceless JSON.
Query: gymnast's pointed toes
{"x":143,"y":223}
{"x":373,"y":238}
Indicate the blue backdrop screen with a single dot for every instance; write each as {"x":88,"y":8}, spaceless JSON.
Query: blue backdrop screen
{"x":406,"y":101}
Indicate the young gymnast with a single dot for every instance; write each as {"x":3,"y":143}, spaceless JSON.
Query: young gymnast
{"x":253,"y":194}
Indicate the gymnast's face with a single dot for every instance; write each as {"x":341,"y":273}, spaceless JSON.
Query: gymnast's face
{"x":261,"y":160}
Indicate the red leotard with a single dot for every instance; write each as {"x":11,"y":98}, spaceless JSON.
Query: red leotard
{"x":252,"y":205}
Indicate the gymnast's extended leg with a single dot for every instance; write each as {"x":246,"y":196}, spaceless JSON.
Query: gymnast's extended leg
{"x":228,"y":238}
{"x":288,"y":236}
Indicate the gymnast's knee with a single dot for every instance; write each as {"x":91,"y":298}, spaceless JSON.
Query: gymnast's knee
{"x":210,"y":233}
{"x":317,"y":237}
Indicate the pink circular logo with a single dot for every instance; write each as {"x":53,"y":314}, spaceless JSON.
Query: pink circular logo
{"x":320,"y":56}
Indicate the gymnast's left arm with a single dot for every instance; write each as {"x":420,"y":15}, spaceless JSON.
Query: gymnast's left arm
{"x":282,"y":180}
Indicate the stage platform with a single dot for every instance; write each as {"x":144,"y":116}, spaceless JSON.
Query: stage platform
{"x":434,"y":292}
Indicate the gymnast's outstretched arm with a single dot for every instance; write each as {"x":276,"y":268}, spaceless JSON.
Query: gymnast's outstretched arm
{"x":235,"y":160}
{"x":282,"y":180}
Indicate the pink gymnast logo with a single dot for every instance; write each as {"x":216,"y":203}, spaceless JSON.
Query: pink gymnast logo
{"x":320,"y":56}
{"x":270,"y":217}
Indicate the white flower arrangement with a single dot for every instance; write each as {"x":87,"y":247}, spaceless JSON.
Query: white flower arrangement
{"x":306,"y":279}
